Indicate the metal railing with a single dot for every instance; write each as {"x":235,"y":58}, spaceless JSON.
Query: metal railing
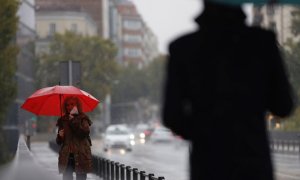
{"x":285,"y":146}
{"x":285,"y":142}
{"x":110,"y":170}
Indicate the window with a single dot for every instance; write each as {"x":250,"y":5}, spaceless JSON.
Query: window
{"x":132,"y":24}
{"x":132,"y":38}
{"x":52,"y":29}
{"x":133,"y":52}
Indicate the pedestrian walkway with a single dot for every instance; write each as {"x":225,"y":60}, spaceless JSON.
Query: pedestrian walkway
{"x":48,"y":159}
{"x":25,"y":166}
{"x":286,"y":166}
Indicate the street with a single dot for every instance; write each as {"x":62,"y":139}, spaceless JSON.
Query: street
{"x":287,"y":167}
{"x":169,"y":160}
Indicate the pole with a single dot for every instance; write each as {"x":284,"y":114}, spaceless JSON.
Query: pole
{"x":60,"y":105}
{"x":60,"y":102}
{"x":27,"y":134}
{"x":70,"y":72}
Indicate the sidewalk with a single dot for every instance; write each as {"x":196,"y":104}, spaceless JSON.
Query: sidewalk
{"x":48,"y":159}
{"x":287,"y":167}
{"x":25,"y":166}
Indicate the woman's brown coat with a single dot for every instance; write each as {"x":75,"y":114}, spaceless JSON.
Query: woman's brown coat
{"x":76,"y":140}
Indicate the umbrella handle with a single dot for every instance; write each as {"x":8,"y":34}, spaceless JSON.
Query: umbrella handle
{"x":60,"y":105}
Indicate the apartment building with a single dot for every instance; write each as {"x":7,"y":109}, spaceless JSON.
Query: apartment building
{"x":98,"y":10}
{"x":132,"y":34}
{"x":117,"y":20}
{"x":139,"y":44}
{"x":115,"y":28}
{"x":275,"y":17}
{"x":150,"y":45}
{"x":51,"y":20}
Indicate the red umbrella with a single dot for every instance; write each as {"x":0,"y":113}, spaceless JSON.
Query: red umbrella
{"x":48,"y":101}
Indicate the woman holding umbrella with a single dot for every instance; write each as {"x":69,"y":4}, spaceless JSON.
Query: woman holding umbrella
{"x":73,"y":125}
{"x":73,"y":136}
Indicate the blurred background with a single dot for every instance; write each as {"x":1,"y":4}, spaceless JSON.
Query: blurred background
{"x":116,"y":50}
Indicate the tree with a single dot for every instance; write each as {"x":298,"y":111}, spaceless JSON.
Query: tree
{"x":155,"y":79}
{"x":8,"y":53}
{"x":136,"y":89}
{"x":97,"y":57}
{"x":133,"y":83}
{"x":292,"y":56}
{"x":130,"y":85}
{"x":8,"y":56}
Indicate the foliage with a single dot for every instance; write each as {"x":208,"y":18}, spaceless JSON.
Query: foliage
{"x":8,"y":55}
{"x":98,"y":65}
{"x":136,"y":90}
{"x":95,"y":54}
{"x":130,"y":85}
{"x":292,"y":56}
{"x":133,"y":83}
{"x":155,"y":76}
{"x":292,"y":123}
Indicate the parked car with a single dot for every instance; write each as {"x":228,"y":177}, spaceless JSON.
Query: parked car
{"x":161,"y":134}
{"x":118,"y":136}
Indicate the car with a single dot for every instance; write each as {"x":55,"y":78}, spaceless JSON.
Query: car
{"x":162,"y":134}
{"x":118,"y":136}
{"x":142,"y":133}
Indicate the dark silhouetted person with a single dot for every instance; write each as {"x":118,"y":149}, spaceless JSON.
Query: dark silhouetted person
{"x":221,"y":81}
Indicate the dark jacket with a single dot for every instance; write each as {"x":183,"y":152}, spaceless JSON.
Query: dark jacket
{"x":221,"y":80}
{"x":77,"y":141}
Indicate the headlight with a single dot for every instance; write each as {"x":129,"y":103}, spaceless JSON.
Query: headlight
{"x":132,"y":142}
{"x":131,"y":136}
{"x":142,"y":135}
{"x":142,"y":141}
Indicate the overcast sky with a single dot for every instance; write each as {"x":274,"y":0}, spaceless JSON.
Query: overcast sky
{"x":169,"y":18}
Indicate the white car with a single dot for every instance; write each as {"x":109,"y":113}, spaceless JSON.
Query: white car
{"x":162,"y":134}
{"x":118,"y":136}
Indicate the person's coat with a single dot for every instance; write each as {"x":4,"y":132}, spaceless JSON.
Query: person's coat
{"x":220,"y":82}
{"x":77,"y":141}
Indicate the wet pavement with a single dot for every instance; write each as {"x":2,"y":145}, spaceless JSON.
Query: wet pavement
{"x":287,"y":167}
{"x":25,"y":166}
{"x":160,"y":159}
{"x":48,"y":159}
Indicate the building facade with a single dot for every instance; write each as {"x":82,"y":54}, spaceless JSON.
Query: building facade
{"x":132,"y":34}
{"x":275,"y":17}
{"x":19,"y":119}
{"x":150,"y":45}
{"x":52,"y":20}
{"x":98,"y":10}
{"x":138,"y":42}
{"x":115,"y":28}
